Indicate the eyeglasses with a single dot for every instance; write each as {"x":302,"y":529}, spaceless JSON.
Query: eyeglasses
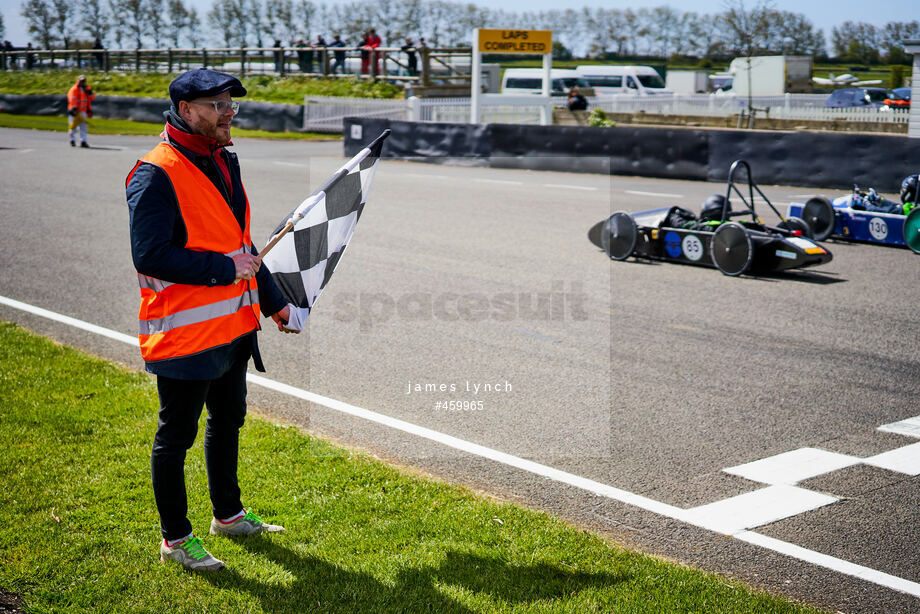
{"x":221,"y":106}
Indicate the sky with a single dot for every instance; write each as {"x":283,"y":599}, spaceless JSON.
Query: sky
{"x":824,"y":14}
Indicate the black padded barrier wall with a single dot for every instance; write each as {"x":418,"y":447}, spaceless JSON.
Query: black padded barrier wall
{"x":817,"y":159}
{"x":422,"y":141}
{"x":652,"y":152}
{"x":828,"y":160}
{"x":253,"y":115}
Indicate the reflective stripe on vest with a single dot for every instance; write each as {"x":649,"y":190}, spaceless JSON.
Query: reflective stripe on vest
{"x":177,"y":320}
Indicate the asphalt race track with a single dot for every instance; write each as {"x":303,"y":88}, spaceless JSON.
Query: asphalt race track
{"x":479,"y":286}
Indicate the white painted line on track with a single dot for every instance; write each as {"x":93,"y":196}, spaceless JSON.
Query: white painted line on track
{"x":569,"y":187}
{"x":295,"y":164}
{"x":25,"y":151}
{"x":604,"y":490}
{"x":501,"y":181}
{"x":909,"y":427}
{"x":657,"y":194}
{"x":793,"y":467}
{"x":421,"y":175}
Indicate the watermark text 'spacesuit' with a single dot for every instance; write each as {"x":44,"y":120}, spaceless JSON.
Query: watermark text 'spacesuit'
{"x":370,"y":308}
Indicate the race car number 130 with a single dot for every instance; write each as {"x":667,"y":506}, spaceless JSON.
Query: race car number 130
{"x":878,"y":228}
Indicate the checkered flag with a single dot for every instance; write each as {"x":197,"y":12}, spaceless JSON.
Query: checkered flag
{"x":306,"y":247}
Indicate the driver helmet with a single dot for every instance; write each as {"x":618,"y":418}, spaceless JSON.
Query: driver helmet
{"x":910,"y":189}
{"x":713,"y":206}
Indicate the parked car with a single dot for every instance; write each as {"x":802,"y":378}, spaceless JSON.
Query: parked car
{"x":893,"y":101}
{"x":873,"y":97}
{"x":900,"y":98}
{"x":628,"y":80}
{"x":530,"y":81}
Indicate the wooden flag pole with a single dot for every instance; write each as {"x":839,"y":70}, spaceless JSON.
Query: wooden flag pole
{"x":287,"y":228}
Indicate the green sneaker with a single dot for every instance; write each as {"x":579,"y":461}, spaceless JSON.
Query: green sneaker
{"x":191,"y":554}
{"x":249,"y":524}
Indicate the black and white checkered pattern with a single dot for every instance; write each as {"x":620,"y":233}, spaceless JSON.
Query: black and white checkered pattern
{"x":305,"y":258}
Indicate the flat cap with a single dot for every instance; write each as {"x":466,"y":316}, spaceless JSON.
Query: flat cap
{"x":203,"y":82}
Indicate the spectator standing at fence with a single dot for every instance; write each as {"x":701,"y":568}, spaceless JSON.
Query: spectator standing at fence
{"x":99,"y":53}
{"x":320,"y":47}
{"x":279,"y":55}
{"x":30,"y":59}
{"x":302,"y":56}
{"x":338,"y":55}
{"x":191,"y":246}
{"x":411,"y":57}
{"x":80,"y":109}
{"x":369,"y":52}
{"x":576,"y":101}
{"x":9,"y":60}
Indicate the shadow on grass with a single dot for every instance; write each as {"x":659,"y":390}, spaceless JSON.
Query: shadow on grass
{"x":321,"y":586}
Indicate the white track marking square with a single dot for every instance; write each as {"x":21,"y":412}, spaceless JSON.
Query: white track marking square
{"x":909,"y":427}
{"x":793,"y":467}
{"x":903,"y":460}
{"x":756,"y":508}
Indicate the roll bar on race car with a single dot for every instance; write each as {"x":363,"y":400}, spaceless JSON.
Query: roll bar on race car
{"x":748,"y":202}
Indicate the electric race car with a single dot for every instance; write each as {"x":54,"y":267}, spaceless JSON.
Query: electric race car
{"x":865,"y":216}
{"x":735,"y":241}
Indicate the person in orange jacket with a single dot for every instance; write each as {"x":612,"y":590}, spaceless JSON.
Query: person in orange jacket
{"x":80,"y":109}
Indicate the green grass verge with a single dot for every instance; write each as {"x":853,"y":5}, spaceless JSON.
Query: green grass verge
{"x":156,"y":85}
{"x":126,"y":126}
{"x":79,"y":530}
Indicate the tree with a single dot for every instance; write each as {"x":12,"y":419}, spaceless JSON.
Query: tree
{"x":64,"y":21}
{"x":663,"y":24}
{"x":194,"y":27}
{"x":178,"y":21}
{"x":856,"y":41}
{"x":155,"y":12}
{"x":749,"y":29}
{"x":2,"y":27}
{"x":95,"y":19}
{"x":133,"y":19}
{"x":893,"y":35}
{"x":40,"y":21}
{"x":221,"y":23}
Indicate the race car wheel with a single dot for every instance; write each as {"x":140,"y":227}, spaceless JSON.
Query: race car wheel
{"x":731,"y":249}
{"x":796,"y":223}
{"x":912,"y":230}
{"x":818,"y":213}
{"x":618,"y":237}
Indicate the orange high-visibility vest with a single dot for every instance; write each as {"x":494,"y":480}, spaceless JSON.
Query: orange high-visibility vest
{"x":78,"y":99}
{"x":177,"y":320}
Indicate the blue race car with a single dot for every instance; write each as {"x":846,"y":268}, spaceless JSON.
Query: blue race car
{"x":735,"y":241}
{"x":863,"y":215}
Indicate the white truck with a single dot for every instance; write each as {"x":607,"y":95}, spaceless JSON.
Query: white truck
{"x":771,"y":75}
{"x":688,"y":81}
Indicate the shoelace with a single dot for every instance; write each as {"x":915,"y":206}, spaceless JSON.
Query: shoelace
{"x":195,"y":548}
{"x":251,"y":516}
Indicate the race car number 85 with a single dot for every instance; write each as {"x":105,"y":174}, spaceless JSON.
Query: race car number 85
{"x":693,"y":247}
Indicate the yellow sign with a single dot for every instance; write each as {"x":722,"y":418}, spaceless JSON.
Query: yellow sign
{"x":515,"y":41}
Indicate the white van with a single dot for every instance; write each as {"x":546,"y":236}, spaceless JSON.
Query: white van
{"x":632,"y":80}
{"x":530,"y":81}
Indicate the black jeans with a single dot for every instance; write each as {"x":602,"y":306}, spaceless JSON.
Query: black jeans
{"x":181,"y":403}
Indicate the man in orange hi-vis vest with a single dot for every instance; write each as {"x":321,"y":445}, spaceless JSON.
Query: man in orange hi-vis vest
{"x":202,"y":289}
{"x":79,"y":108}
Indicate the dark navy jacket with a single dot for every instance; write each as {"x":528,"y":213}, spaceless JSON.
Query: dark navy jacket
{"x":158,"y":235}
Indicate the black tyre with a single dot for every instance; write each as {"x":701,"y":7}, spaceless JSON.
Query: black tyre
{"x":818,"y":213}
{"x":912,"y":230}
{"x":618,"y":237}
{"x":731,"y":249}
{"x":796,"y":223}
